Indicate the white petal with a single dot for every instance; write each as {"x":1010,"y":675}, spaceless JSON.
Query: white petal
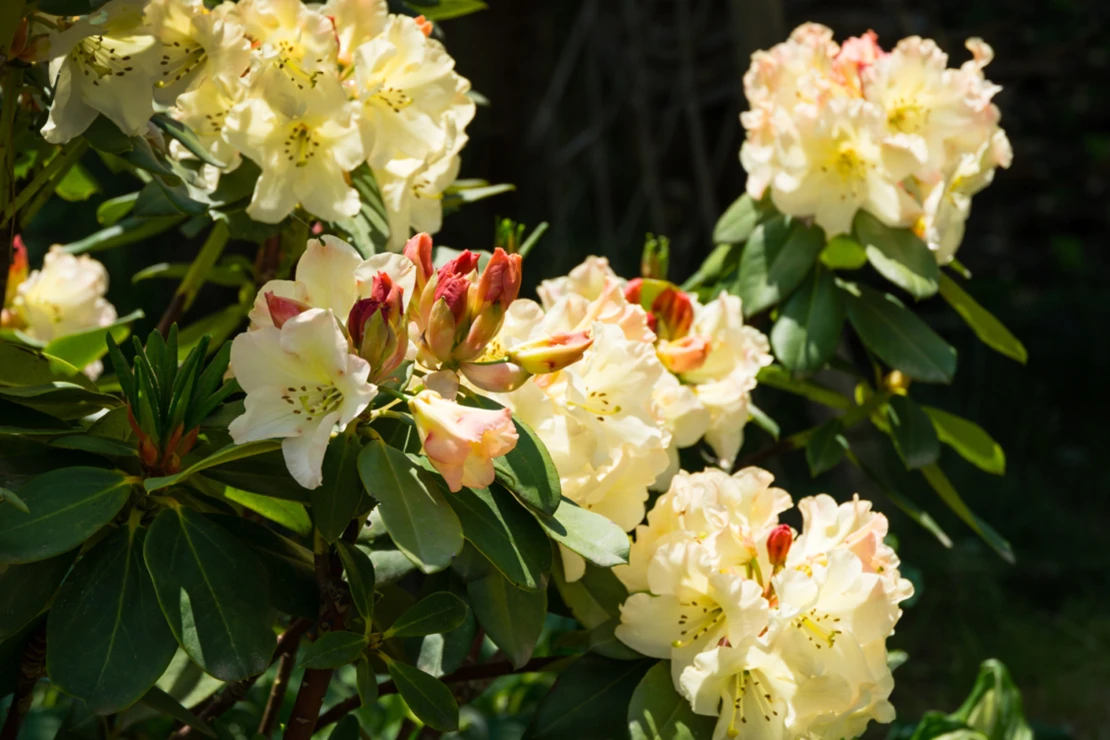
{"x":304,"y":454}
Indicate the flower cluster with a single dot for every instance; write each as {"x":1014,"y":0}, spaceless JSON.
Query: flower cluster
{"x":838,"y":128}
{"x":651,"y":382}
{"x":308,"y":93}
{"x":780,"y":634}
{"x":65,"y":297}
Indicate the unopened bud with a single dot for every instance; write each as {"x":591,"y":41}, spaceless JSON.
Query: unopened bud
{"x":675,"y":313}
{"x":778,"y":545}
{"x":683,"y":355}
{"x":17,"y":271}
{"x":424,"y":25}
{"x":655,"y":259}
{"x":553,"y":353}
{"x":283,"y":309}
{"x":148,"y":453}
{"x":495,"y":377}
{"x":377,"y":327}
{"x":633,"y":289}
{"x":419,"y":251}
{"x":500,"y":281}
{"x":463,"y":265}
{"x":897,"y":383}
{"x":439,"y":332}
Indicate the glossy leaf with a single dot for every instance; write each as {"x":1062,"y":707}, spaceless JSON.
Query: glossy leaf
{"x":429,"y":699}
{"x":219,"y":614}
{"x":337,"y":500}
{"x":107,"y":640}
{"x":346,"y":728}
{"x":366,"y":682}
{"x":264,"y":474}
{"x":27,"y":590}
{"x":947,"y":492}
{"x":589,"y":701}
{"x":593,"y":599}
{"x":912,"y":432}
{"x":527,"y":470}
{"x":438,"y":612}
{"x":360,"y":577}
{"x":448,"y":9}
{"x":511,"y":616}
{"x":900,"y":338}
{"x":222,"y":456}
{"x":505,"y":533}
{"x":334,"y":649}
{"x":775,"y":260}
{"x":78,"y":184}
{"x":186,"y":137}
{"x":775,"y":376}
{"x":591,"y":535}
{"x":825,"y":449}
{"x":369,"y":229}
{"x":113,"y":209}
{"x":412,"y":505}
{"x":60,"y":398}
{"x":67,"y":506}
{"x":737,"y":222}
{"x":898,"y":255}
{"x":990,"y":330}
{"x":969,"y":439}
{"x":843,"y":253}
{"x":164,"y":703}
{"x":809,"y":326}
{"x":658,"y":712}
{"x":24,"y":366}
{"x":288,"y":514}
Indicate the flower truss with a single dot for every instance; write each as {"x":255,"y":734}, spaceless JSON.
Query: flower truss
{"x":779,"y":634}
{"x":834,"y":129}
{"x":309,"y":93}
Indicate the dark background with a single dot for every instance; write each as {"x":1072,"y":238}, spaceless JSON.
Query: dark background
{"x":619,"y":117}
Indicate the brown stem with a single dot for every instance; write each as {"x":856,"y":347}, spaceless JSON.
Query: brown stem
{"x":466,"y":673}
{"x":172,"y":314}
{"x":277,"y":691}
{"x":30,"y":668}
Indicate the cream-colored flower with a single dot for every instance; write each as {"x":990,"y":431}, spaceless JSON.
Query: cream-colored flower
{"x":461,"y":441}
{"x":294,"y":40}
{"x":302,"y":384}
{"x":204,"y":110}
{"x":104,"y":63}
{"x":412,"y":192}
{"x":304,"y":141}
{"x":196,"y":45}
{"x":356,"y":22}
{"x":587,"y":280}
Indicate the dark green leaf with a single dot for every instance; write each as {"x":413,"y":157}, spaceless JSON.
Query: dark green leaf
{"x":825,"y":448}
{"x":589,"y":701}
{"x":334,"y":649}
{"x":912,"y":432}
{"x":222,"y":456}
{"x":112,"y":210}
{"x":219,"y":614}
{"x":843,"y":253}
{"x":900,"y":338}
{"x":438,"y":612}
{"x":593,"y":599}
{"x":989,"y":329}
{"x":102,"y":134}
{"x":808,"y":329}
{"x":127,"y":230}
{"x":429,"y":699}
{"x":447,"y":9}
{"x":718,"y":263}
{"x":27,"y":590}
{"x":912,"y":510}
{"x":775,"y":260}
{"x":947,"y":492}
{"x":60,"y":398}
{"x":737,"y":222}
{"x":527,"y":470}
{"x":777,"y":377}
{"x":968,"y":439}
{"x":366,"y":682}
{"x":107,"y":640}
{"x":360,"y":576}
{"x":505,"y":533}
{"x":26,"y":366}
{"x":67,"y":507}
{"x":512,"y":617}
{"x":658,"y":712}
{"x":263,"y":474}
{"x":898,"y":255}
{"x":8,"y":496}
{"x":187,"y":137}
{"x":288,"y":514}
{"x":345,"y":729}
{"x":591,"y":535}
{"x":412,"y":505}
{"x":337,"y":500}
{"x":602,"y":640}
{"x":369,"y":229}
{"x":164,"y":703}
{"x":96,"y":445}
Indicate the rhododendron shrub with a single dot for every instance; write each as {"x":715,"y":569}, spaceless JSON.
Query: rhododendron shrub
{"x":383,"y":476}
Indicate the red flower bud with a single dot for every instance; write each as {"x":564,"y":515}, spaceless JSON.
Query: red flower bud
{"x":632,"y":290}
{"x":683,"y":355}
{"x":283,"y":309}
{"x":778,"y":545}
{"x":675,"y":313}
{"x":419,"y":251}
{"x":453,"y":289}
{"x":462,"y":265}
{"x":17,"y":271}
{"x":500,"y":282}
{"x":377,"y":327}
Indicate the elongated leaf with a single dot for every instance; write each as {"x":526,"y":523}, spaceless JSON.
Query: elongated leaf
{"x":947,"y":492}
{"x":127,"y":230}
{"x":438,"y":612}
{"x":808,"y":329}
{"x":717,"y":264}
{"x":429,"y":699}
{"x":658,"y":712}
{"x":738,"y":221}
{"x":6,"y":494}
{"x":775,"y":260}
{"x":593,"y":599}
{"x":222,"y":456}
{"x":589,"y":701}
{"x":900,"y":338}
{"x":60,"y":398}
{"x":264,"y":474}
{"x":968,"y":439}
{"x":26,"y":366}
{"x":337,"y":500}
{"x":360,"y":576}
{"x":912,"y":510}
{"x":288,"y":514}
{"x":843,"y":253}
{"x":776,"y":376}
{"x":512,"y":617}
{"x":28,"y":589}
{"x":912,"y":432}
{"x":527,"y":470}
{"x":505,"y":533}
{"x":67,"y":506}
{"x":366,"y":682}
{"x":219,"y":614}
{"x":112,"y":210}
{"x":369,"y":229}
{"x":164,"y":703}
{"x":990,"y":330}
{"x":77,"y":185}
{"x":187,"y":137}
{"x":898,"y":255}
{"x":107,"y":640}
{"x":412,"y":505}
{"x":825,"y":448}
{"x":591,"y":535}
{"x":334,"y":649}
{"x":96,"y":445}
{"x":447,"y":9}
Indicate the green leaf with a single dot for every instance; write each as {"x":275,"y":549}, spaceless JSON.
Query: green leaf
{"x":969,"y":439}
{"x":346,"y":728}
{"x":738,"y":221}
{"x":360,"y":576}
{"x":164,"y":703}
{"x":658,"y":712}
{"x":127,"y":230}
{"x":511,"y":616}
{"x":438,"y":612}
{"x":989,"y":329}
{"x":912,"y":432}
{"x":67,"y":507}
{"x":505,"y":533}
{"x":369,"y":229}
{"x":718,"y":263}
{"x":112,"y":210}
{"x":593,"y":599}
{"x":107,"y":641}
{"x":912,"y":510}
{"x":589,"y":701}
{"x":263,"y":474}
{"x":77,"y":185}
{"x":762,"y":420}
{"x":222,"y":456}
{"x":28,"y":589}
{"x":69,"y":7}
{"x":594,"y":537}
{"x":24,"y":366}
{"x":366,"y":682}
{"x":603,"y":640}
{"x":85,"y":347}
{"x":947,"y":492}
{"x":898,"y":255}
{"x":808,"y":329}
{"x":775,"y":260}
{"x":60,"y":398}
{"x":338,"y":499}
{"x":900,"y":338}
{"x":825,"y":448}
{"x":187,"y":137}
{"x":102,"y":134}
{"x":288,"y":514}
{"x":775,"y":376}
{"x":96,"y":445}
{"x":412,"y":505}
{"x":843,"y":253}
{"x":527,"y":470}
{"x":994,"y":706}
{"x":219,"y":614}
{"x":8,"y":496}
{"x":334,"y":649}
{"x":428,"y":698}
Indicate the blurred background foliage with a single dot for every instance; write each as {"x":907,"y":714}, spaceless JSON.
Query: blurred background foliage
{"x":619,"y":117}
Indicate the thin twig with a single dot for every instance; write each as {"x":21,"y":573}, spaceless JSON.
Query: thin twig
{"x":30,"y":668}
{"x":277,"y":691}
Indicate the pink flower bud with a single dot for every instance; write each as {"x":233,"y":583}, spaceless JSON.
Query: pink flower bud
{"x":419,"y":251}
{"x":377,"y":327}
{"x":495,"y":377}
{"x":500,"y":282}
{"x":283,"y":309}
{"x":454,"y":290}
{"x":675,"y":313}
{"x":460,"y":441}
{"x":632,"y":290}
{"x":553,"y":353}
{"x":778,"y":545}
{"x":439,"y":331}
{"x":462,"y":265}
{"x":683,"y":355}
